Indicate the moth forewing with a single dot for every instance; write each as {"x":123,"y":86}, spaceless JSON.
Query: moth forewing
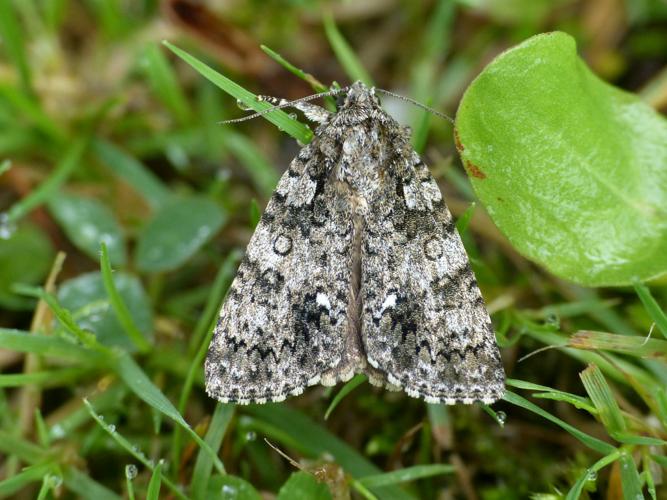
{"x":355,"y":267}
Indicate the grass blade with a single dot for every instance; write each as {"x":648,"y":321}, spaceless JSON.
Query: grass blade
{"x":41,"y":194}
{"x":141,"y":385}
{"x":20,"y":341}
{"x":295,"y":429}
{"x":153,"y":492}
{"x":46,"y":378}
{"x":317,"y":86}
{"x":406,"y":475}
{"x":588,"y":440}
{"x":133,"y":450}
{"x":629,"y":344}
{"x":11,"y":31}
{"x":577,"y":488}
{"x":554,"y":394}
{"x":346,"y":56}
{"x":216,"y":432}
{"x":351,"y":385}
{"x":652,"y":307}
{"x":630,"y":481}
{"x":31,"y":474}
{"x":85,"y":487}
{"x":603,"y":399}
{"x":279,"y":118}
{"x":165,"y":84}
{"x":118,"y":305}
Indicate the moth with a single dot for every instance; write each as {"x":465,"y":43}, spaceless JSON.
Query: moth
{"x":355,"y":267}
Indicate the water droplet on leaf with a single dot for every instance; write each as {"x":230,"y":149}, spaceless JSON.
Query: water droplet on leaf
{"x":131,"y":471}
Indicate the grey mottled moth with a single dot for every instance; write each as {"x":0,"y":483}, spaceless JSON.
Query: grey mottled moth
{"x":355,"y":267}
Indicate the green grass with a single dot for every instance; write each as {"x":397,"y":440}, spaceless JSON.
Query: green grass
{"x":114,"y":156}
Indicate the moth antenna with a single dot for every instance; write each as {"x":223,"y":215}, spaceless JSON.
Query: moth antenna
{"x":285,"y":104}
{"x":416,"y":103}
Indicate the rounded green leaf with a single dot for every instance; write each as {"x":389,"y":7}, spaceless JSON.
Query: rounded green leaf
{"x":230,"y":487}
{"x":176,"y":232}
{"x":25,"y":257}
{"x":302,"y":485}
{"x":87,"y":222}
{"x":572,"y":170}
{"x":87,"y":299}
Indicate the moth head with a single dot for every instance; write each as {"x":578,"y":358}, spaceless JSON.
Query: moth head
{"x":357,"y":95}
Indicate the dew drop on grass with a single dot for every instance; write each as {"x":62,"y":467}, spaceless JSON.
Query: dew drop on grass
{"x":131,"y":471}
{"x":592,"y":475}
{"x":292,"y":116}
{"x":229,"y":491}
{"x":501,"y":416}
{"x":112,"y":428}
{"x":242,"y":105}
{"x":552,"y":320}
{"x":7,"y":227}
{"x":57,"y":431}
{"x":251,"y":436}
{"x":55,"y":481}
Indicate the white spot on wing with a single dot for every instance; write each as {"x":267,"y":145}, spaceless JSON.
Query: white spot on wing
{"x":390,"y":301}
{"x":323,"y":300}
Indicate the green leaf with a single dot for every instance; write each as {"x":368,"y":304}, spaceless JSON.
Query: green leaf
{"x":177,"y":231}
{"x":570,"y":169}
{"x":231,"y":488}
{"x":279,"y":118}
{"x":87,"y":222}
{"x":24,"y":258}
{"x":87,"y":298}
{"x":133,"y":172}
{"x":303,"y":486}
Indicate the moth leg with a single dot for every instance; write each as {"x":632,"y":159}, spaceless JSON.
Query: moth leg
{"x":312,"y":111}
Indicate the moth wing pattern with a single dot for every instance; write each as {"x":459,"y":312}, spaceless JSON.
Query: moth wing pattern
{"x":284,"y":323}
{"x":355,"y":266}
{"x":424,"y":322}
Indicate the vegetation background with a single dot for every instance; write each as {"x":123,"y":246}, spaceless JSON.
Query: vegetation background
{"x":110,"y":138}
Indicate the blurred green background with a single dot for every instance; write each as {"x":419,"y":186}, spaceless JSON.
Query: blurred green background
{"x":107,"y":137}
